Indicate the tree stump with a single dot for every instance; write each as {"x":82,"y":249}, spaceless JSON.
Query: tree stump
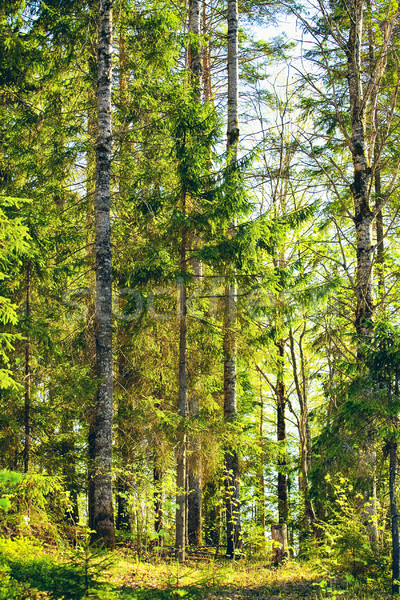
{"x":279,"y":543}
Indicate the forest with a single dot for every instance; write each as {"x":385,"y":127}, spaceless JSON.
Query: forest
{"x":199,"y":299}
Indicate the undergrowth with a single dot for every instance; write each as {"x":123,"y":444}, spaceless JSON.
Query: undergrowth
{"x":31,"y":572}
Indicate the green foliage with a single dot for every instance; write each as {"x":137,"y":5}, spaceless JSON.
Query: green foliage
{"x":8,"y":478}
{"x":347,"y":547}
{"x":74,"y":575}
{"x":11,"y":588}
{"x":37,"y":505}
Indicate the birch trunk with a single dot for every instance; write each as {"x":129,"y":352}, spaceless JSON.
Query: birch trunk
{"x":103,"y":517}
{"x":194,"y":49}
{"x":229,"y":345}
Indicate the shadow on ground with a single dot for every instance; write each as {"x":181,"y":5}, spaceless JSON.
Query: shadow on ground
{"x":289,"y":591}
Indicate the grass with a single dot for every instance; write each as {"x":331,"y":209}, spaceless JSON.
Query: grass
{"x":33,"y":573}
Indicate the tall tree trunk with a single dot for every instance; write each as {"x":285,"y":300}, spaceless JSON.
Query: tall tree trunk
{"x":363,"y":219}
{"x":283,"y":508}
{"x":28,"y":374}
{"x":360,"y":187}
{"x":233,"y":528}
{"x":103,"y":516}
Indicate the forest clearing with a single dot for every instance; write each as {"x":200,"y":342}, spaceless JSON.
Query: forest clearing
{"x":199,"y":299}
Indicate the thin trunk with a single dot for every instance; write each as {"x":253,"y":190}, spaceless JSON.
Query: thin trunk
{"x":207,"y":89}
{"x":158,"y":501}
{"x":233,"y":528}
{"x":28,"y":374}
{"x":304,"y":433}
{"x":181,"y":473}
{"x":394,"y":516}
{"x":123,"y":513}
{"x":103,"y":517}
{"x":69,"y":469}
{"x":283,"y":508}
{"x":194,"y":498}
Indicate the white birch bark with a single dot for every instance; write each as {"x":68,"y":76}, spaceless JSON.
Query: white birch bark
{"x":103,"y":518}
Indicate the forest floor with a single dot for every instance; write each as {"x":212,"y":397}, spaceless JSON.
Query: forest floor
{"x":29,"y":572}
{"x":242,"y":580}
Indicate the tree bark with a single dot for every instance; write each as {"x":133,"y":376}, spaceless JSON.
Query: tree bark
{"x":360,"y":187}
{"x":233,"y":528}
{"x":194,"y":49}
{"x":363,"y":219}
{"x":103,"y":517}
